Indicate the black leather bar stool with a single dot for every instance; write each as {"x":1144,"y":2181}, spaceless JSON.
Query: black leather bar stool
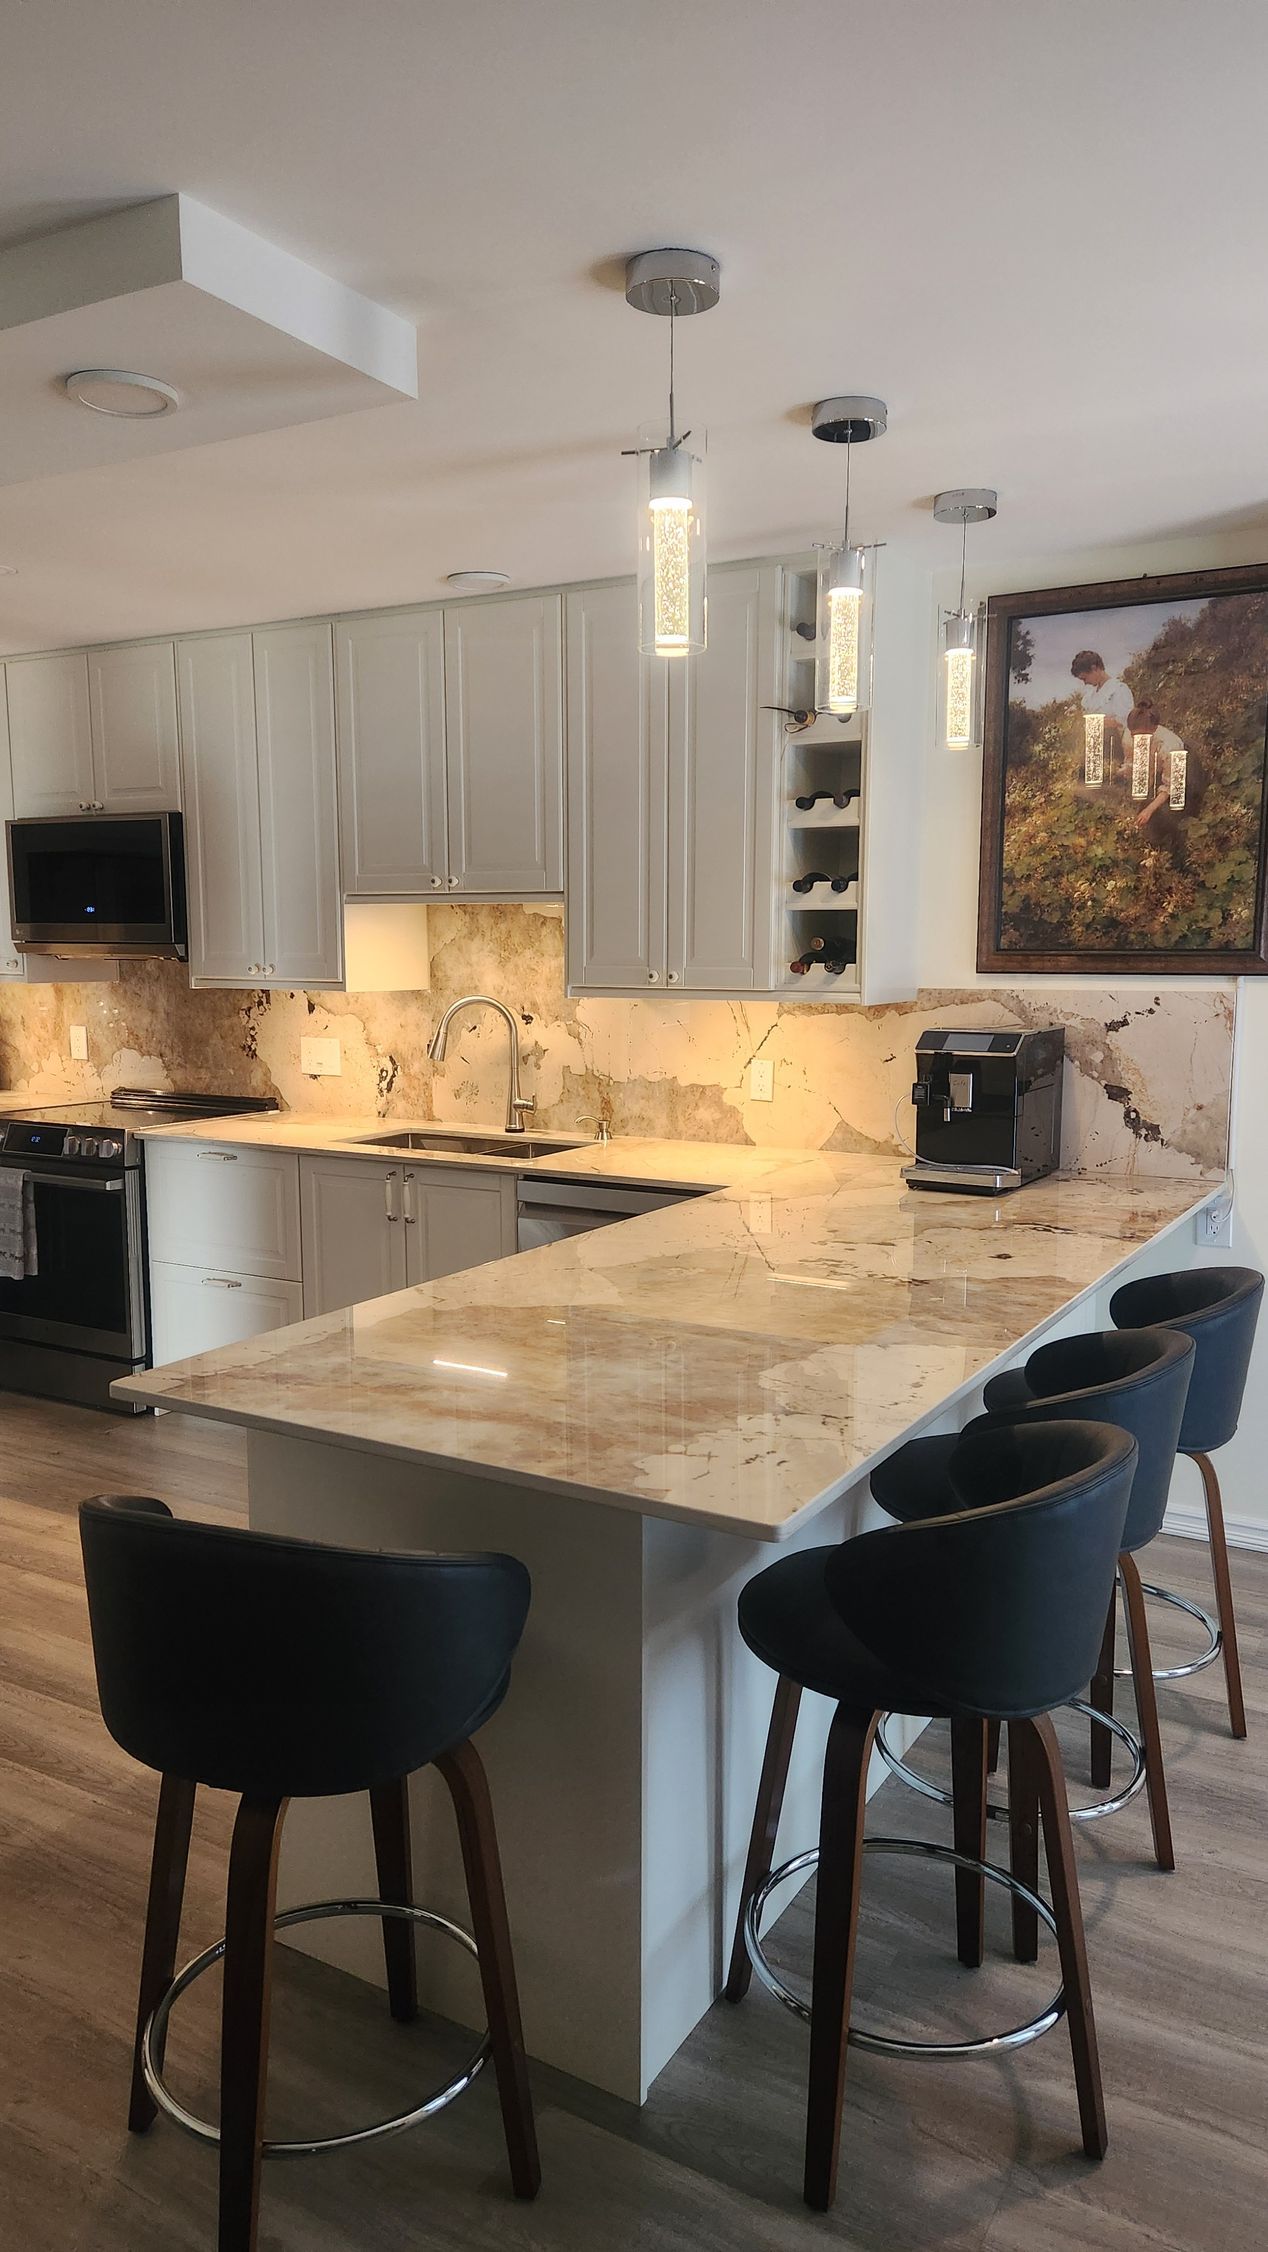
{"x":282,"y":1669}
{"x":995,"y":1613}
{"x":1218,"y":1307}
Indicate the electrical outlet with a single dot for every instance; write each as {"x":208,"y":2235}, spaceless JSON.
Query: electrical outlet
{"x":761,"y":1081}
{"x":79,"y":1043}
{"x":1213,"y":1226}
{"x":320,"y":1059}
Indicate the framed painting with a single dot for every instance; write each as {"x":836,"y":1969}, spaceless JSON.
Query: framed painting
{"x":1125,"y":789}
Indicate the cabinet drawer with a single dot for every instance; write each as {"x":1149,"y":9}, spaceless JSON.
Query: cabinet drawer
{"x":195,"y":1309}
{"x":211,"y":1205}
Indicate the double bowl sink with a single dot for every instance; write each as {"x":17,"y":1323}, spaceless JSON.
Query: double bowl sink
{"x":474,"y":1145}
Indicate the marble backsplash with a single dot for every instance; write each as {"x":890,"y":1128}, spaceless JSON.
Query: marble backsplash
{"x":1147,"y":1088}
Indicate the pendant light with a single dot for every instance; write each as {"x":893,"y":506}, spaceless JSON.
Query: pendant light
{"x":960,"y":631}
{"x":843,"y":633}
{"x":672,"y":605}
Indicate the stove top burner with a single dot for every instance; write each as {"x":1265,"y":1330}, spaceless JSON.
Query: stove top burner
{"x":104,"y":1132}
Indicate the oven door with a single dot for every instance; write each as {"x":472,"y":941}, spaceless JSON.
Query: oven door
{"x":89,"y":1294}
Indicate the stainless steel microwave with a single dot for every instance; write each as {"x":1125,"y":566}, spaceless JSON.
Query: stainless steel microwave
{"x":102,"y":885}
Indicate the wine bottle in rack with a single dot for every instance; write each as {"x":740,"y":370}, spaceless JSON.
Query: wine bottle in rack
{"x":830,"y":955}
{"x":818,"y":876}
{"x":839,"y":798}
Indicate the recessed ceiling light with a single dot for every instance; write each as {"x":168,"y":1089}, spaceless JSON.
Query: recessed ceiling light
{"x":477,"y":582}
{"x":118,"y":392}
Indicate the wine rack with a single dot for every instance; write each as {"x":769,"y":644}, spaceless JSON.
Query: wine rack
{"x":824,"y":763}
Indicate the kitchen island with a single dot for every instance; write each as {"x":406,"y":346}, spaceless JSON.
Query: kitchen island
{"x":639,"y":1413}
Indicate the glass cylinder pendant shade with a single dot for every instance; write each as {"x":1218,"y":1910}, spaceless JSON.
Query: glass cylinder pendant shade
{"x":843,"y":651}
{"x":959,"y":680}
{"x":672,"y":609}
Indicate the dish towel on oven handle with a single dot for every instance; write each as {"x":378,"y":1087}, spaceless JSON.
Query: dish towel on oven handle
{"x":19,"y":1251}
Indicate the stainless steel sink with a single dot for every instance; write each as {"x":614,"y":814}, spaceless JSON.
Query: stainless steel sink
{"x":469,"y":1145}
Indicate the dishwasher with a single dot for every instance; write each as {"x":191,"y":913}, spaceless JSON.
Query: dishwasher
{"x":551,"y":1210}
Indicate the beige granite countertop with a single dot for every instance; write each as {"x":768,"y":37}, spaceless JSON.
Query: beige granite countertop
{"x":666,"y":1164}
{"x":737,"y":1361}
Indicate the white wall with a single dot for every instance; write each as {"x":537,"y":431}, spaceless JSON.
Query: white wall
{"x":948,"y":939}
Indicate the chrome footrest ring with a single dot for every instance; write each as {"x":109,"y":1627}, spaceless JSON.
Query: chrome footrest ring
{"x":989,"y":2044}
{"x":154,"y":2038}
{"x":1214,"y":1636}
{"x":997,"y":1813}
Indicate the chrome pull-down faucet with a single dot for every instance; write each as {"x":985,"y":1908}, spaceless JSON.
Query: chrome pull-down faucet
{"x":516,"y":1103}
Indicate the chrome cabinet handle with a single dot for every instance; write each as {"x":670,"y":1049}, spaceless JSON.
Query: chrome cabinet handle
{"x":221,"y":1156}
{"x":388,"y":1198}
{"x":220,"y":1282}
{"x":411,"y":1216}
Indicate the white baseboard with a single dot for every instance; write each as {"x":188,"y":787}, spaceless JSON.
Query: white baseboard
{"x":1243,"y":1532}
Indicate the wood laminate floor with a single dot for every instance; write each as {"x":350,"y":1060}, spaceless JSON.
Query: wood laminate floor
{"x":980,"y":2157}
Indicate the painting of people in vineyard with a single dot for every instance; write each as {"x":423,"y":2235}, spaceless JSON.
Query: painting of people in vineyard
{"x":1129,"y":787}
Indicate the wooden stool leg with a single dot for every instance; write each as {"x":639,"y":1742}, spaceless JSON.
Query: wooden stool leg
{"x":968,"y":1796}
{"x":162,"y":1926}
{"x":1223,"y":1593}
{"x":463,"y":1771}
{"x":836,"y":1920}
{"x":389,"y":1813}
{"x":1102,"y":1696}
{"x":1067,"y":1908}
{"x":1147,"y":1710}
{"x":1023,"y":1826}
{"x":244,"y":2040}
{"x":766,"y":1813}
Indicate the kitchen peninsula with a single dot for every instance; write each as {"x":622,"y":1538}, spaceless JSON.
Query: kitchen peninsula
{"x":638,"y":1413}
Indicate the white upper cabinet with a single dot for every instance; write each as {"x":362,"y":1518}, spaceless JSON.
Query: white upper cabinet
{"x":135,"y":747}
{"x":51,"y":736}
{"x":617,"y":755}
{"x":261,"y":842}
{"x":450,"y":742}
{"x":11,"y":962}
{"x":391,"y":731}
{"x":95,"y":733}
{"x":504,"y":746}
{"x":722,"y":764}
{"x":222,"y":809}
{"x":299,"y":839}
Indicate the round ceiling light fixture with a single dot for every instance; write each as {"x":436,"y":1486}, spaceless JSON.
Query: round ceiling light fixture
{"x":477,"y":582}
{"x":121,"y":393}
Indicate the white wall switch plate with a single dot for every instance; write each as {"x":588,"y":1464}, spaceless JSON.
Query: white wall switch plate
{"x":79,"y":1043}
{"x":320,"y":1059}
{"x":761,"y":1080}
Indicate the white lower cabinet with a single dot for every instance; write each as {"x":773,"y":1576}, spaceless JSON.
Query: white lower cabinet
{"x":195,"y":1309}
{"x":371,"y":1228}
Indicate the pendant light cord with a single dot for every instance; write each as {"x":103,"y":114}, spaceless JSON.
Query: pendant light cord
{"x":673,"y":308}
{"x":845,"y":533}
{"x":964,"y":549}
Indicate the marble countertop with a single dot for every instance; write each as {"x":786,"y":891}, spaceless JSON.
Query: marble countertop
{"x":665,"y":1164}
{"x":737,"y":1361}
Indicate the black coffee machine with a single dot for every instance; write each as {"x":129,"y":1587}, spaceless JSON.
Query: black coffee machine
{"x":988,"y":1109}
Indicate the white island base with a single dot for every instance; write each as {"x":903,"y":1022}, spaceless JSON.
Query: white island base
{"x":623,"y":1764}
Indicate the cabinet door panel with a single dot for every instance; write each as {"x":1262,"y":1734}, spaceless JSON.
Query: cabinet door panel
{"x":353,"y":1229}
{"x":616,"y":797}
{"x":136,"y":754}
{"x":391,"y":721}
{"x":456,"y":1220}
{"x":195,"y":1309}
{"x":51,"y":735}
{"x":11,"y":963}
{"x":504,"y":746}
{"x":222,"y":809}
{"x":721,"y":777}
{"x":209,"y":1204}
{"x":299,"y":829}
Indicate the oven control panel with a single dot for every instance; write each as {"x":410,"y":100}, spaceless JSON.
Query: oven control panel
{"x":23,"y":1139}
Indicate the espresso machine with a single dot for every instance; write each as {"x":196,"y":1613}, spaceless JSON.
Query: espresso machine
{"x":988,"y":1109}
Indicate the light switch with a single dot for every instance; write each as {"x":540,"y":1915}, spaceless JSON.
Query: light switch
{"x":761,"y":1080}
{"x":320,"y":1059}
{"x":79,"y":1043}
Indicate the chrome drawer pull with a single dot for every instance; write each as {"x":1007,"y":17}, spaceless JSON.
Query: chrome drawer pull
{"x":220,"y":1282}
{"x":222,"y":1156}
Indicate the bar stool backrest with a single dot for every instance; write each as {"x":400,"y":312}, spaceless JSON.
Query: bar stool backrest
{"x":286,"y":1668}
{"x":1218,"y":1307}
{"x":999,"y":1610}
{"x":1137,"y":1379}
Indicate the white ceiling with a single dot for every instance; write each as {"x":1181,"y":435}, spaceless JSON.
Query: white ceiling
{"x":1035,"y":227}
